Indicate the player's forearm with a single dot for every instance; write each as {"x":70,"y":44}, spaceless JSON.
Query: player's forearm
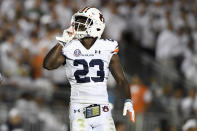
{"x":127,"y":91}
{"x":125,"y":86}
{"x":51,"y":61}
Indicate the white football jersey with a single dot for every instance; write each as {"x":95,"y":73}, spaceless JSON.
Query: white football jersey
{"x":87,"y":70}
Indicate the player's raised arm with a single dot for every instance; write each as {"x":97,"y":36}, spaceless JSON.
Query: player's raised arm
{"x":117,"y":72}
{"x":55,"y":58}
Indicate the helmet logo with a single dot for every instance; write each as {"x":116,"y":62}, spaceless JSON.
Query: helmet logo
{"x":101,"y":17}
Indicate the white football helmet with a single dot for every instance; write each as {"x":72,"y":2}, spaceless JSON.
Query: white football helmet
{"x":88,"y":22}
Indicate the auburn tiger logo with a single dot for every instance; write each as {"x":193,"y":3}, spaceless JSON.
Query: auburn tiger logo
{"x":101,"y":17}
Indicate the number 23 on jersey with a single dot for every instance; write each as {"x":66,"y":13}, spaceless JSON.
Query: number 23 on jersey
{"x":79,"y":73}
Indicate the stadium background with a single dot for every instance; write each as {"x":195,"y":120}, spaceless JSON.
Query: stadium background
{"x":158,"y":50}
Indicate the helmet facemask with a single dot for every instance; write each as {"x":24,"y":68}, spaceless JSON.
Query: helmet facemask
{"x":81,"y":24}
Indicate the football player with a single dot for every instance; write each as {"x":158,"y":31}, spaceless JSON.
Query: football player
{"x":87,"y":60}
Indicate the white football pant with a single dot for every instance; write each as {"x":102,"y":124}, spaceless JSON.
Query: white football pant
{"x":78,"y":122}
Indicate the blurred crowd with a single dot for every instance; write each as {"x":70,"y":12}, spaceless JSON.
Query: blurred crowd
{"x":166,"y":30}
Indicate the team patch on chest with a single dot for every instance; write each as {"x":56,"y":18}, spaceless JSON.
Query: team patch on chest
{"x":78,"y":52}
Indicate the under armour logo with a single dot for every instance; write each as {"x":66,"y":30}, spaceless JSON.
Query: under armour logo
{"x":75,"y":111}
{"x":97,"y":51}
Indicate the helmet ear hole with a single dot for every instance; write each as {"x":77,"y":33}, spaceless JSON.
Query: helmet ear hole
{"x":98,"y":29}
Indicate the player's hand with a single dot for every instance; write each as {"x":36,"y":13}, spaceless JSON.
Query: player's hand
{"x":67,"y":36}
{"x":128,"y":107}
